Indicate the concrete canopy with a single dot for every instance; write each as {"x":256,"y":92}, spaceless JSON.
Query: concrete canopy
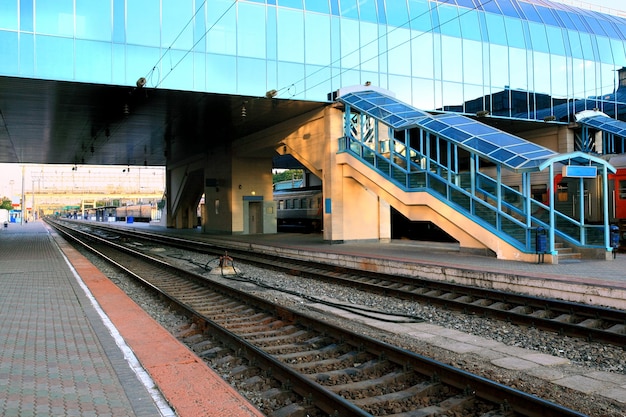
{"x":58,"y":122}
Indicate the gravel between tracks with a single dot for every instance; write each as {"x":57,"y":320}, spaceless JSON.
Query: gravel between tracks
{"x":584,"y":357}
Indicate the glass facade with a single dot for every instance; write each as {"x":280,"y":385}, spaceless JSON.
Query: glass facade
{"x":513,"y":58}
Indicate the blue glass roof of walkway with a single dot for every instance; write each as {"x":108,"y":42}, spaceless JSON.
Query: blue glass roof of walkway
{"x":606,"y":124}
{"x":493,"y":144}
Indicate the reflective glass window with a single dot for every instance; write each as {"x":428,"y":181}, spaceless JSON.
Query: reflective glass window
{"x":317,"y":38}
{"x":55,"y":17}
{"x":292,"y":75}
{"x":470,"y":26}
{"x":382,"y":14}
{"x":295,"y":4}
{"x":399,"y":43}
{"x":555,"y":40}
{"x":142,"y":59}
{"x":452,"y":53}
{"x":26,"y":15}
{"x":609,"y":29}
{"x":558,"y":72}
{"x":508,"y":9}
{"x":319,"y":82}
{"x":8,"y":52}
{"x":541,"y":73}
{"x":514,"y":32}
{"x":199,"y":71}
{"x":251,"y":77}
{"x":272,"y":37}
{"x":180,"y":75}
{"x":55,"y":57}
{"x":220,"y":73}
{"x":401,"y":86}
{"x":490,"y":7}
{"x":93,"y":20}
{"x":334,"y":7}
{"x":177,"y":29}
{"x":422,"y":55}
{"x":27,"y":54}
{"x":574,"y":43}
{"x":144,"y":22}
{"x":290,"y":35}
{"x":398,"y":14}
{"x":530,"y":12}
{"x":449,"y":19}
{"x":472,"y":62}
{"x":538,"y":37}
{"x":349,"y":9}
{"x":564,"y":17}
{"x":621,"y":28}
{"x":93,"y":61}
{"x":604,"y":48}
{"x":466,"y":3}
{"x":420,"y":15}
{"x":118,"y":66}
{"x":499,"y":67}
{"x":119,"y":21}
{"x":350,"y":56}
{"x":618,"y":52}
{"x":578,"y":22}
{"x":495,"y":28}
{"x":423,"y":93}
{"x":547,"y":16}
{"x":594,"y":25}
{"x":452,"y":94}
{"x":8,"y":15}
{"x":518,"y":67}
{"x":367,"y":11}
{"x":251,"y":30}
{"x":586,"y":43}
{"x":369,"y":46}
{"x":320,"y":6}
{"x":221,"y":37}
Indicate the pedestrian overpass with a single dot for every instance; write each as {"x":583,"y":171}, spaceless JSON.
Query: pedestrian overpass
{"x":468,"y":177}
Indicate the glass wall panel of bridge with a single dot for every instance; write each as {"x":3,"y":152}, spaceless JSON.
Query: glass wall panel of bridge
{"x":477,"y":169}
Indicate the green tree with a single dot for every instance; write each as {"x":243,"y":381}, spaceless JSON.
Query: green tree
{"x":287,"y":175}
{"x":6,"y":203}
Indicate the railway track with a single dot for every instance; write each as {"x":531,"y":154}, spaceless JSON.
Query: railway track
{"x":592,"y":323}
{"x":319,"y":369}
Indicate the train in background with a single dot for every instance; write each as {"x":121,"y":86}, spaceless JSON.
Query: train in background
{"x":143,"y":213}
{"x":299,"y":209}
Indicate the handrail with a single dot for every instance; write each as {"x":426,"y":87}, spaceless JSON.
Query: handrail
{"x":507,"y":217}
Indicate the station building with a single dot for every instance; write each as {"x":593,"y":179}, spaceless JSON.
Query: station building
{"x":497,"y":121}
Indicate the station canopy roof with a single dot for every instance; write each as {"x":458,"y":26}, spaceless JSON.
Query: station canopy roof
{"x":495,"y":145}
{"x":601,"y":121}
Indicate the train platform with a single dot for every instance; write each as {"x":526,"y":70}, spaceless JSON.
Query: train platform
{"x":73,"y":344}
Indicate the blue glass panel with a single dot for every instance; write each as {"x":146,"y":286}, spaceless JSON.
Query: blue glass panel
{"x":55,"y":17}
{"x":93,"y":20}
{"x":420,"y":15}
{"x":564,"y":17}
{"x":576,"y":48}
{"x":26,"y":15}
{"x":481,"y":146}
{"x":8,"y":15}
{"x":367,"y":11}
{"x":454,"y":120}
{"x":508,"y":9}
{"x":594,"y":25}
{"x":530,"y":12}
{"x":470,"y":26}
{"x":292,"y":75}
{"x":397,"y":13}
{"x":220,"y":73}
{"x":55,"y":57}
{"x":382,"y":14}
{"x":320,"y":6}
{"x":517,"y":161}
{"x":290,"y":35}
{"x":334,"y":7}
{"x":435,"y":125}
{"x":621,"y":28}
{"x":586,"y":43}
{"x":555,"y":39}
{"x":8,"y":52}
{"x":491,"y":7}
{"x":455,"y":134}
{"x":523,"y":148}
{"x":618,"y":52}
{"x":119,"y":21}
{"x":222,"y":21}
{"x":144,"y":22}
{"x":251,"y":30}
{"x":449,"y":18}
{"x":478,"y":129}
{"x":502,"y":155}
{"x":547,"y":16}
{"x":251,"y":77}
{"x":349,"y":9}
{"x":580,"y":25}
{"x":177,"y":29}
{"x":436,"y":22}
{"x":514,"y":32}
{"x":317,"y":39}
{"x":466,"y":3}
{"x":501,"y":139}
{"x":93,"y":61}
{"x":295,"y":4}
{"x":495,"y":27}
{"x":538,"y":37}
{"x":604,"y":49}
{"x":609,"y":28}
{"x":27,"y":54}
